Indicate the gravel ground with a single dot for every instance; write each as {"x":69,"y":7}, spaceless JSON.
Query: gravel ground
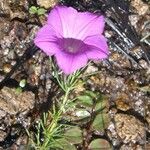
{"x":123,"y":78}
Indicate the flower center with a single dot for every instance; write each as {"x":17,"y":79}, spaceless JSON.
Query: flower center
{"x":70,"y":49}
{"x":71,"y":45}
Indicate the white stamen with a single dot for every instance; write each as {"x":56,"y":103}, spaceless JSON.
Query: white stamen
{"x":70,"y":49}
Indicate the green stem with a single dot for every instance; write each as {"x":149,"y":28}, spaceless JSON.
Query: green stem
{"x":55,"y":120}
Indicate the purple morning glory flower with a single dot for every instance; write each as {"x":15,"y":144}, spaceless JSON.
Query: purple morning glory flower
{"x":73,"y":38}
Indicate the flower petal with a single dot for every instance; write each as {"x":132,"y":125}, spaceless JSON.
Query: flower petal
{"x":46,"y":40}
{"x":88,"y":24}
{"x":62,"y":19}
{"x":72,"y":24}
{"x":98,"y":48}
{"x":70,"y":62}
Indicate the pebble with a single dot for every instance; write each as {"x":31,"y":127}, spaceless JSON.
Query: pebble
{"x":47,"y":3}
{"x":140,"y":6}
{"x":129,"y":129}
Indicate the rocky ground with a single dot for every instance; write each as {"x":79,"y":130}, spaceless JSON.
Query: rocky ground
{"x":123,"y":78}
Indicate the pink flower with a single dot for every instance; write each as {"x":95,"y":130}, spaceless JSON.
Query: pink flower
{"x":73,"y":38}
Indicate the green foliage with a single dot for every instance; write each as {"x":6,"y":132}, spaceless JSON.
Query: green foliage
{"x":53,"y":135}
{"x":37,"y":10}
{"x":101,"y":122}
{"x":73,"y":135}
{"x":63,"y":144}
{"x":41,"y":11}
{"x":22,"y":83}
{"x":101,"y":104}
{"x":87,"y":108}
{"x":90,"y":107}
{"x":18,"y":90}
{"x":100,"y":144}
{"x":85,"y":100}
{"x":49,"y":130}
{"x":46,"y":133}
{"x":33,"y":10}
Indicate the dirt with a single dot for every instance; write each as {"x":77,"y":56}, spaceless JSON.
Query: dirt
{"x":123,"y":78}
{"x":13,"y":102}
{"x":129,"y":129}
{"x":15,"y":107}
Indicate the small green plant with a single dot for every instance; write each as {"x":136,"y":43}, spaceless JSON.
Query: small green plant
{"x":90,"y":108}
{"x":37,"y":10}
{"x":22,"y":84}
{"x":46,"y":132}
{"x":49,"y":131}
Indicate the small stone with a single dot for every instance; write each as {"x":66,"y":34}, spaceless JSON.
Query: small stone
{"x":12,"y":102}
{"x":140,"y":6}
{"x":47,"y":3}
{"x":123,"y":102}
{"x":131,"y":147}
{"x":129,"y":129}
{"x":91,"y":69}
{"x":134,"y":20}
{"x":147,"y":146}
{"x":7,"y":68}
{"x":3,"y":134}
{"x":144,"y":64}
{"x":148,"y":120}
{"x":6,"y":51}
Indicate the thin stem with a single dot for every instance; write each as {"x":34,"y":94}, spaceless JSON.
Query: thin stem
{"x":55,"y":120}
